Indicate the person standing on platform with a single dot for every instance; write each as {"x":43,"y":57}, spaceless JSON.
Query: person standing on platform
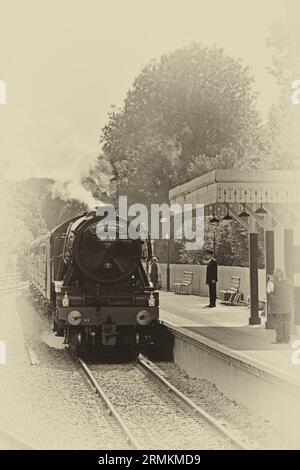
{"x":154,"y":272}
{"x":281,"y":300}
{"x":212,"y":279}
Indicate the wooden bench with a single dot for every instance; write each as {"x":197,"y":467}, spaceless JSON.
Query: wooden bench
{"x":184,"y":286}
{"x":232,"y":295}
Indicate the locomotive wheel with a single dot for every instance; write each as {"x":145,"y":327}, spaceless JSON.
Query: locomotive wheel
{"x":57,"y":330}
{"x":147,"y":342}
{"x":134,"y":348}
{"x":76,"y":342}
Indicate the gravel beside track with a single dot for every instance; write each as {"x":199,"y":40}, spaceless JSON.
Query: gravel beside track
{"x":257,"y":430}
{"x":156,"y":418}
{"x":48,"y":405}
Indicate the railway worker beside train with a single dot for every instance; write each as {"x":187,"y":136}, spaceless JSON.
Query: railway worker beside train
{"x":212,"y":279}
{"x":281,"y":305}
{"x":154,"y":272}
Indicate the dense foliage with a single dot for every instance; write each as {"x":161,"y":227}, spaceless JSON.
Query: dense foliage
{"x":190,"y":112}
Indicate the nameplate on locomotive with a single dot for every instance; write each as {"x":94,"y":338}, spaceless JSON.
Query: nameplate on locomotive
{"x":108,"y":230}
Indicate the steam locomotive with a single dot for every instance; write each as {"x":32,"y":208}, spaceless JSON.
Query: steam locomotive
{"x":96,"y":289}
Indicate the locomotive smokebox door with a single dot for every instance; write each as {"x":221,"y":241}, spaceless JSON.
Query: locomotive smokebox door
{"x":109,"y":333}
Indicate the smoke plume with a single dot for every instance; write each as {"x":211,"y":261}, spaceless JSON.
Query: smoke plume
{"x":67,"y":190}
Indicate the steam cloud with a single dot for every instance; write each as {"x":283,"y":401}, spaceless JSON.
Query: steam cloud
{"x":67,"y":190}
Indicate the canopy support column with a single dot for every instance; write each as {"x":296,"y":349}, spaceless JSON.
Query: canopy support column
{"x":253,"y":266}
{"x":270,"y":266}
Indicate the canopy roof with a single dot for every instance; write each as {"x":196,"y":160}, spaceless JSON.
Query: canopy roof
{"x":256,"y":186}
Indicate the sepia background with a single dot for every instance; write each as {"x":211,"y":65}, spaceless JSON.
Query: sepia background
{"x":68,"y":64}
{"x":135,"y":97}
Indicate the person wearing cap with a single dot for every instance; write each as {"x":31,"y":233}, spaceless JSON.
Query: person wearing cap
{"x":212,"y":279}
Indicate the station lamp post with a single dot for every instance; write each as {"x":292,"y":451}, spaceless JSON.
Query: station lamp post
{"x":215,"y":222}
{"x":168,"y":262}
{"x":164,"y":220}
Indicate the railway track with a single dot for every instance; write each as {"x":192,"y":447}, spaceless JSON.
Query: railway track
{"x":152,"y":413}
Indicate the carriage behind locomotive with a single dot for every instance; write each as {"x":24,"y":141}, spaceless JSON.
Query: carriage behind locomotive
{"x":96,"y":289}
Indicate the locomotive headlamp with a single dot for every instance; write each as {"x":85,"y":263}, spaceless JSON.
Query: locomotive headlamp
{"x":74,"y":318}
{"x":151,"y":301}
{"x":144,"y":318}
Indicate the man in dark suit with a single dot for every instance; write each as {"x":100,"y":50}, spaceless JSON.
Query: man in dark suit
{"x":212,"y":279}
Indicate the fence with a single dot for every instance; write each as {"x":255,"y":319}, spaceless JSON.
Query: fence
{"x":224,"y":276}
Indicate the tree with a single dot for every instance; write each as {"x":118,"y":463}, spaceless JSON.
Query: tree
{"x":22,"y":219}
{"x":192,"y":111}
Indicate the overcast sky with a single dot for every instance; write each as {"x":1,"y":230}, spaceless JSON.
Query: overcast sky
{"x":66,"y":61}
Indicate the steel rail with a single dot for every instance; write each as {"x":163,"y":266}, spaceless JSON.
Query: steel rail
{"x":150,"y":369}
{"x":130,"y":438}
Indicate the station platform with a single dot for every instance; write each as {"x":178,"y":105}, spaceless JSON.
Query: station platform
{"x":228,"y":326}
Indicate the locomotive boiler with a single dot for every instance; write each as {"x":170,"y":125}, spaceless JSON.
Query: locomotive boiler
{"x":96,"y":288}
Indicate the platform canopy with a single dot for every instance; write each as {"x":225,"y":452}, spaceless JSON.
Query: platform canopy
{"x":240,"y":186}
{"x":270,"y":200}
